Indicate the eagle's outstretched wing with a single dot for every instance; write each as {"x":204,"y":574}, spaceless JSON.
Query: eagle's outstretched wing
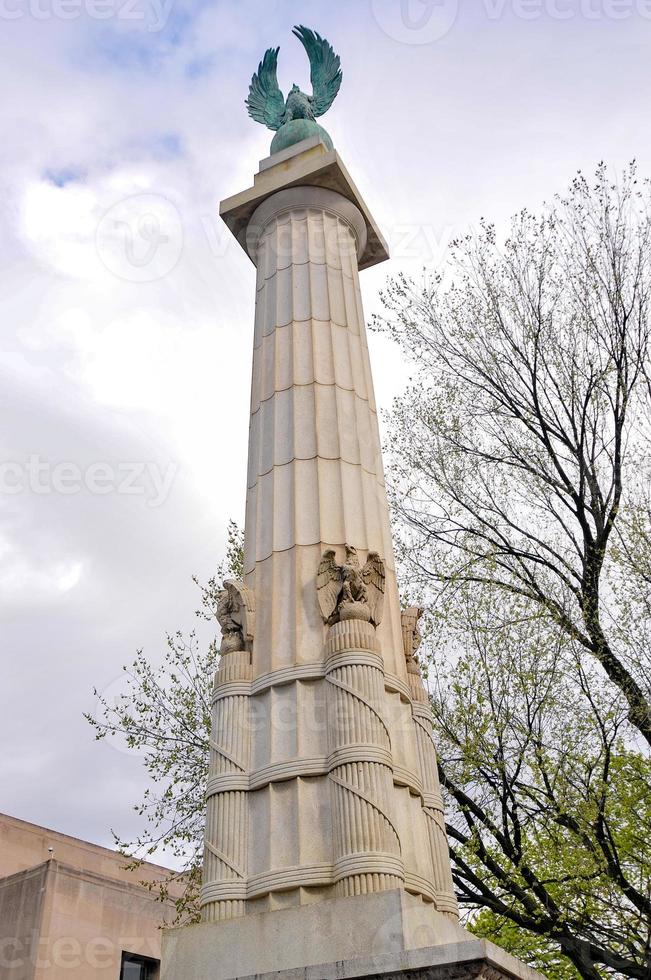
{"x":266,"y":103}
{"x":326,"y":74}
{"x":328,"y":584}
{"x":374,"y":575}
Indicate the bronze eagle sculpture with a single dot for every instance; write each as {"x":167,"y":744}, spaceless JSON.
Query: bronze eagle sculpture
{"x":338,"y":585}
{"x":294,"y":118}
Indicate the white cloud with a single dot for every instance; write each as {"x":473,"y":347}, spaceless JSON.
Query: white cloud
{"x":101,"y":366}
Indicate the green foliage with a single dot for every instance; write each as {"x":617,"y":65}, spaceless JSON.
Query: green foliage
{"x":520,"y":486}
{"x":164,"y":713}
{"x":233,"y":566}
{"x":520,"y":489}
{"x":549,"y":806}
{"x":526,"y":946}
{"x":524,"y":435}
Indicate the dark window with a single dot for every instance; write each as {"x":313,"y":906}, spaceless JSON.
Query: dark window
{"x":138,"y":967}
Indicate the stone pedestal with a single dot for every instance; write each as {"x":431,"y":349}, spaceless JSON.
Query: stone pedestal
{"x":325,"y":835}
{"x":388,"y":934}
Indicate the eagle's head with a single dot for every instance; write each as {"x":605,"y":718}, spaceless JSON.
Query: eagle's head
{"x":351,"y":556}
{"x":298,"y":104}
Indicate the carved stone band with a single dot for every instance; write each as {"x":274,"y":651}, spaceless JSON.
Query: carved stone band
{"x":223,"y":891}
{"x":349,"y":635}
{"x":368,"y":863}
{"x":434,"y":801}
{"x":420,"y":886}
{"x":405,"y":777}
{"x":275,"y":678}
{"x":353,"y":658}
{"x":395,"y":685}
{"x":422,"y":713}
{"x":307,"y":876}
{"x":231,"y":689}
{"x":295,"y":198}
{"x":307,"y":672}
{"x":286,"y":878}
{"x":279,"y":772}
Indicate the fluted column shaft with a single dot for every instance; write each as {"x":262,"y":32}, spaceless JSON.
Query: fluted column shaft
{"x":324,"y":798}
{"x":446,"y":900}
{"x":315,"y":481}
{"x":367,"y":848}
{"x":223,"y":894}
{"x":315,"y":477}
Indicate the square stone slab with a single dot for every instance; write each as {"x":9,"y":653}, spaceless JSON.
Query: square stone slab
{"x":310,"y":164}
{"x":382,"y":935}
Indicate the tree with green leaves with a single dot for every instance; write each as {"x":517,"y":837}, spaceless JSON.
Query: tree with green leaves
{"x":521,"y":478}
{"x":164,"y":713}
{"x":549,"y":804}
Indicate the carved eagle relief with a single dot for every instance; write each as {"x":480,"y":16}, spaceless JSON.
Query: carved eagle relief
{"x":350,"y":583}
{"x":236,"y":616}
{"x":411,"y":636}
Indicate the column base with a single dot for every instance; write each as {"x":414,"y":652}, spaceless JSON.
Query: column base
{"x":386,"y":935}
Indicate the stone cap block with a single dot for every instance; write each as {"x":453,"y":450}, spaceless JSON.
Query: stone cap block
{"x":308,"y":164}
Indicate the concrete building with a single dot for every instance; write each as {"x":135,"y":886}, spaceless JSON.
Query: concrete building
{"x":69,"y":909}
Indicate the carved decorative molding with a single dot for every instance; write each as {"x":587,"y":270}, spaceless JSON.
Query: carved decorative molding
{"x":227,"y":812}
{"x":346,"y":644}
{"x":367,"y":842}
{"x":352,"y":634}
{"x":431,"y":795}
{"x":472,"y":970}
{"x":359,"y":764}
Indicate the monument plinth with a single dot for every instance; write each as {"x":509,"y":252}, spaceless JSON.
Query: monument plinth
{"x":325,"y":851}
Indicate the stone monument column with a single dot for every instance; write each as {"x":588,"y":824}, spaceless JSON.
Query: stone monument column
{"x":315,"y":482}
{"x":325,"y":846}
{"x":315,"y":478}
{"x":335,"y":803}
{"x":446,"y":901}
{"x":227,"y":811}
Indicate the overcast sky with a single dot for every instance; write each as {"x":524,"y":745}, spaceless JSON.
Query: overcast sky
{"x":126,"y":312}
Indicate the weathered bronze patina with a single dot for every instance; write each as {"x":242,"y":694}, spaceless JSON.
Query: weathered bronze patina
{"x":294,"y":118}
